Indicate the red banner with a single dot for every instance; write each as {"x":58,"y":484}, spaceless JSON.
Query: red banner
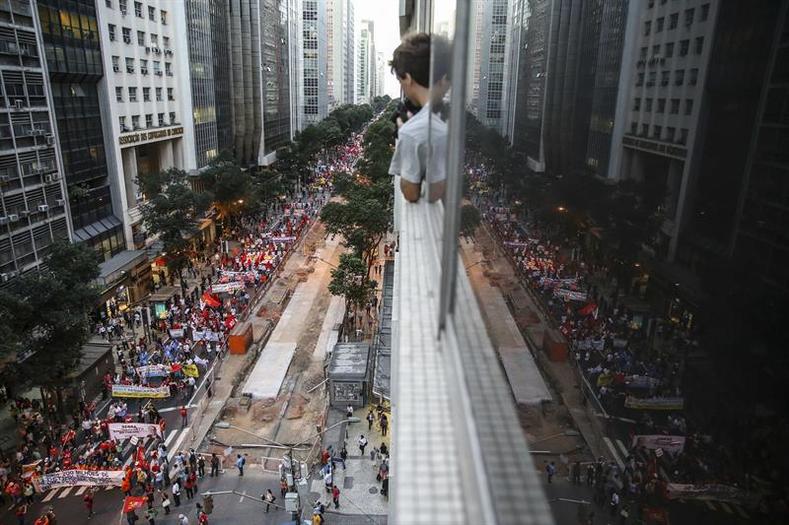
{"x":133,"y":503}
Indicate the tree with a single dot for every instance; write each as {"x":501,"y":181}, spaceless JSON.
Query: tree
{"x":469,"y":220}
{"x":362,"y":220}
{"x":349,"y":280}
{"x":45,"y":317}
{"x":172,"y":212}
{"x":230,"y":187}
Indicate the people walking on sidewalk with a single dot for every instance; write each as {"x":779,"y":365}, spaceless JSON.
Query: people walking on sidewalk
{"x":176,"y":490}
{"x":240,"y":462}
{"x":335,"y":496}
{"x":165,"y":503}
{"x":362,"y":442}
{"x":370,"y":420}
{"x":384,"y":424}
{"x":184,"y":414}
{"x":214,"y":465}
{"x":550,"y":471}
{"x":88,"y":499}
{"x":269,"y":498}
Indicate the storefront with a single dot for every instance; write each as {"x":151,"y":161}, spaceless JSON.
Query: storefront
{"x":124,"y":280}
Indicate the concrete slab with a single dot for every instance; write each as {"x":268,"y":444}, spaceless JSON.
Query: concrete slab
{"x":266,"y":378}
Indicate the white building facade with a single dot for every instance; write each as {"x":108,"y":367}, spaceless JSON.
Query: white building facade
{"x":146,"y":97}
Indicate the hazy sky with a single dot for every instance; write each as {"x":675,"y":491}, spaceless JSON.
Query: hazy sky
{"x":387,"y":32}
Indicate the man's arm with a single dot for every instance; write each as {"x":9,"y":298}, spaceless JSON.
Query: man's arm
{"x":411,"y":190}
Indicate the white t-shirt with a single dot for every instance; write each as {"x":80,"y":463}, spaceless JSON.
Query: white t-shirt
{"x":421,"y":149}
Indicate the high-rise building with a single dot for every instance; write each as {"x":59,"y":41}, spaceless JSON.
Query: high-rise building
{"x":380,"y":74}
{"x":275,"y":68}
{"x":366,"y":63}
{"x":314,"y":62}
{"x":69,"y":30}
{"x":33,"y":207}
{"x":145,"y":98}
{"x":295,"y":61}
{"x":340,"y":51}
{"x":519,"y":16}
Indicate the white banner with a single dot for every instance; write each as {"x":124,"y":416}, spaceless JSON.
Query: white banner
{"x":176,"y":333}
{"x":227,"y":287}
{"x":570,"y":295}
{"x":120,"y":431}
{"x":672,"y":444}
{"x":71,"y":478}
{"x":153,"y":370}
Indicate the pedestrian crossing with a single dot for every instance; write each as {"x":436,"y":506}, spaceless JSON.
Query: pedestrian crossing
{"x":174,"y":437}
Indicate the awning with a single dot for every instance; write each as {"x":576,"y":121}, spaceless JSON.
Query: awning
{"x":115,"y":269}
{"x":97,"y":228}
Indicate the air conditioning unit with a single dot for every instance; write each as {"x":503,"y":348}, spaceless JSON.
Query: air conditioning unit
{"x":60,"y":202}
{"x":19,"y":103}
{"x":50,"y":139}
{"x":158,"y":73}
{"x":47,"y":178}
{"x":13,"y":217}
{"x":43,"y":207}
{"x":24,"y":213}
{"x":116,"y":68}
{"x":129,"y":69}
{"x":5,"y":178}
{"x":5,"y":277}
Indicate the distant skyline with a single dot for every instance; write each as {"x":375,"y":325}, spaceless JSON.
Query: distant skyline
{"x":384,"y":14}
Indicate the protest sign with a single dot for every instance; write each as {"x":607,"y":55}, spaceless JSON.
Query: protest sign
{"x":654,"y":403}
{"x":227,"y":287}
{"x":191,"y":370}
{"x":708,"y":492}
{"x":153,"y":370}
{"x":176,"y":333}
{"x":140,"y":391}
{"x":71,"y":478}
{"x":285,"y":238}
{"x":29,"y":469}
{"x":119,"y":431}
{"x":569,"y":295}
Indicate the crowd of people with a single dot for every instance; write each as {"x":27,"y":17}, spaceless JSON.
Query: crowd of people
{"x":182,"y":339}
{"x":632,"y":359}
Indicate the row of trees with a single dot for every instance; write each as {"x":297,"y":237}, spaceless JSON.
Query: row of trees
{"x":364,"y":213}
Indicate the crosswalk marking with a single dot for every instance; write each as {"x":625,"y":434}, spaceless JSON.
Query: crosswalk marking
{"x":710,"y":505}
{"x":622,"y":447}
{"x":65,"y":492}
{"x":725,"y":507}
{"x":81,"y":490}
{"x":50,"y":495}
{"x":613,"y":452}
{"x":170,"y":437}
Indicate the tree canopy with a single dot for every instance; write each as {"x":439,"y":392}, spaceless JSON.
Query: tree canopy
{"x":349,"y":280}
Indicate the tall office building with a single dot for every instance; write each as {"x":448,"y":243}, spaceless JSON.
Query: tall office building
{"x":380,"y":74}
{"x":146,"y":98}
{"x":70,"y":33}
{"x":295,"y":61}
{"x":519,"y":11}
{"x":365,"y":78}
{"x":33,"y":207}
{"x":492,"y":30}
{"x":275,"y":60}
{"x":340,"y":51}
{"x":314,"y":61}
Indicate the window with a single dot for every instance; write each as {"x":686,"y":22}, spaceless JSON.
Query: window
{"x":688,"y":106}
{"x":132,"y":94}
{"x":152,"y":13}
{"x":652,"y":78}
{"x":170,"y":94}
{"x":637,"y":104}
{"x":655,"y":50}
{"x":648,"y":105}
{"x":644,"y":53}
{"x":143,"y":66}
{"x":683,"y":136}
{"x":127,"y":35}
{"x":123,"y":6}
{"x":135,"y":121}
{"x":119,"y":94}
{"x":679,"y":77}
{"x":172,"y":117}
{"x":669,"y":49}
{"x":664,"y":78}
{"x":674,"y":106}
{"x":129,"y":65}
{"x":166,"y":42}
{"x":670,"y":132}
{"x":108,"y":3}
{"x":146,"y":94}
{"x":689,"y":16}
{"x":640,"y":80}
{"x":138,"y":9}
{"x":158,"y":94}
{"x":644,"y":129}
{"x":647,"y":27}
{"x":661,"y":105}
{"x":699,"y":47}
{"x":633,"y":128}
{"x":141,"y":38}
{"x":161,"y":119}
{"x":111,"y":28}
{"x":705,"y":12}
{"x":154,"y":39}
{"x":684,"y":45}
{"x":149,"y":120}
{"x":694,"y":76}
{"x":157,"y":68}
{"x":673,"y":20}
{"x":657,"y":131}
{"x":116,"y":63}
{"x":660,"y":22}
{"x":122,"y":122}
{"x":168,"y":69}
{"x":164,"y":17}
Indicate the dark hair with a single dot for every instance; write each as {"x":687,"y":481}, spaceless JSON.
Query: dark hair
{"x":412,"y":56}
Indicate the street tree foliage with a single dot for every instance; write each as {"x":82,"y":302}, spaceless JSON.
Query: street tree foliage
{"x":364,"y":215}
{"x":380,"y":102}
{"x":350,"y":280}
{"x":230,"y":188}
{"x":469,"y":220}
{"x":44,"y":316}
{"x":173,"y":211}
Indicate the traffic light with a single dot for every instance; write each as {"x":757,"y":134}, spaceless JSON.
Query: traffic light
{"x":208,"y":504}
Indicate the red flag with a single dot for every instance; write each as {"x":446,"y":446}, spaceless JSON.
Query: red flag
{"x":133,"y":503}
{"x":588,"y":309}
{"x":211,"y":300}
